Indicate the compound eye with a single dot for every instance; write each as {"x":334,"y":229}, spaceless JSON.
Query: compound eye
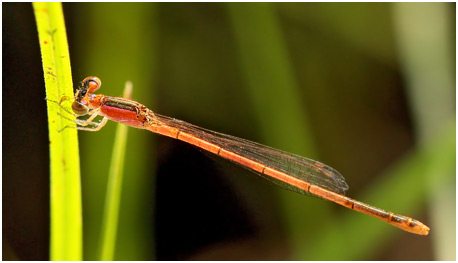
{"x":93,"y":83}
{"x":79,"y":109}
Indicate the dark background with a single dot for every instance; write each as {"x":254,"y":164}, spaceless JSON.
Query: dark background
{"x":341,"y":64}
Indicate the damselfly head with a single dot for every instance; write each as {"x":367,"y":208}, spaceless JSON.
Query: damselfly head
{"x":88,"y":86}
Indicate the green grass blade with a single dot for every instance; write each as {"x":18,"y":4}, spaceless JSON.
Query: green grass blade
{"x":135,"y":60}
{"x":423,"y":37}
{"x":66,"y":215}
{"x":272,"y":85}
{"x":113,"y":195}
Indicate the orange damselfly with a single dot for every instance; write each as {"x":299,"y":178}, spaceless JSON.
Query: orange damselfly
{"x":289,"y":171}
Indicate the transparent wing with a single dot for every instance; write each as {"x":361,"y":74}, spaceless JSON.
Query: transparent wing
{"x":302,"y":168}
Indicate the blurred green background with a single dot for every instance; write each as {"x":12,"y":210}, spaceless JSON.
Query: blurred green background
{"x":367,"y":88}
